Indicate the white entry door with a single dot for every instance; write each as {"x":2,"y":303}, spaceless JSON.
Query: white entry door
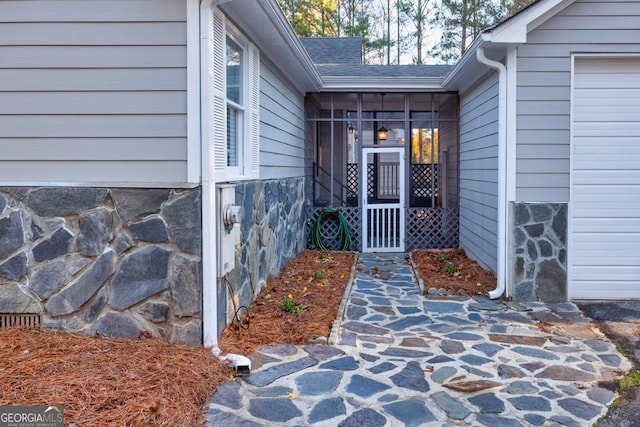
{"x":383,"y":199}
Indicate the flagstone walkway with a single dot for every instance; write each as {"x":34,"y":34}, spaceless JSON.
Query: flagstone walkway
{"x":401,"y":359}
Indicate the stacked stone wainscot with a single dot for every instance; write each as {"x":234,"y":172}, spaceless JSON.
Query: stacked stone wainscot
{"x":272,"y":234}
{"x":540,"y":252}
{"x":117,"y":262}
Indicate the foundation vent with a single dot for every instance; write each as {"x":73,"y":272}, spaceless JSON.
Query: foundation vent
{"x":16,"y":320}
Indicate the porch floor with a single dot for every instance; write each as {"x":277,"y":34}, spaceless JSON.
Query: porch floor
{"x":403,"y":359}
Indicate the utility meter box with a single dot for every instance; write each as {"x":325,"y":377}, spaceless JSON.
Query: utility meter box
{"x":229,"y":218}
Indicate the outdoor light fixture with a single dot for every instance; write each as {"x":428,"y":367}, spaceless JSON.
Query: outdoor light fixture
{"x":351,"y":129}
{"x":355,"y":139}
{"x":382,"y":132}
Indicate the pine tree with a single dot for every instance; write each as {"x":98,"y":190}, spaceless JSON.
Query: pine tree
{"x":514,"y":6}
{"x":461,"y":22}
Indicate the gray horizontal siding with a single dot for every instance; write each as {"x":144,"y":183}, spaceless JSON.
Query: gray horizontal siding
{"x":93,"y":34}
{"x":92,"y":149}
{"x":282,"y":132}
{"x":544,"y":88}
{"x":448,"y":139}
{"x":92,"y":11}
{"x":139,"y":173}
{"x":93,"y":92}
{"x":93,"y":80}
{"x":479,"y":172}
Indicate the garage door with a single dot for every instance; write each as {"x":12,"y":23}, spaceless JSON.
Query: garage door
{"x":605,"y":200}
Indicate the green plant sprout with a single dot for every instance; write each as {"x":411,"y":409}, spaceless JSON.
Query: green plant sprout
{"x":448,"y":269}
{"x":290,"y":306}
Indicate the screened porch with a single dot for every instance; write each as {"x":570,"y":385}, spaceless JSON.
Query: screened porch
{"x":408,"y":171}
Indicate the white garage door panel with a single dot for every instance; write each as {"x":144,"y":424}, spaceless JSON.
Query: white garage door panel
{"x":607,"y":213}
{"x":591,"y":258}
{"x":618,"y":274}
{"x":594,"y":145}
{"x":604,"y":245}
{"x":600,"y":225}
{"x":608,"y":177}
{"x":617,"y":291}
{"x":606,"y":130}
{"x":593,"y":104}
{"x":596,"y":192}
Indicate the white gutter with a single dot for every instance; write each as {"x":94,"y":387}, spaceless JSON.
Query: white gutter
{"x":388,"y":84}
{"x":502,"y":171}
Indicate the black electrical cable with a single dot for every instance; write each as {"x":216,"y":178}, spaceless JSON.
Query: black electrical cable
{"x":236,"y":311}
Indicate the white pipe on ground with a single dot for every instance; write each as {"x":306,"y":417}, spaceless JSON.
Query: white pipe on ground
{"x":241,"y":363}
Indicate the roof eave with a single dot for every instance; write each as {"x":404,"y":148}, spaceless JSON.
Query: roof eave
{"x":468,"y":60}
{"x":516,"y":28}
{"x":388,"y":84}
{"x":513,"y":31}
{"x":276,"y":39}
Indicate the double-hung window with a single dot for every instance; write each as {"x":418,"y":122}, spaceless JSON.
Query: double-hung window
{"x":235,"y":102}
{"x":235,"y":106}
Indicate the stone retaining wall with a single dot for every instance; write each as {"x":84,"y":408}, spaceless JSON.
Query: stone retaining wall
{"x":272,"y":233}
{"x":119,"y":262}
{"x":540,"y":252}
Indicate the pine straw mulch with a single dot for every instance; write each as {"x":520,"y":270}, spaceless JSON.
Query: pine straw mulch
{"x":452,"y":270}
{"x":103,"y":381}
{"x":314,"y":280}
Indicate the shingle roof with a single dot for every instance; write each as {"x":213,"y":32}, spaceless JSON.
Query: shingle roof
{"x":341,"y":57}
{"x":334,"y":50}
{"x":384,"y":70}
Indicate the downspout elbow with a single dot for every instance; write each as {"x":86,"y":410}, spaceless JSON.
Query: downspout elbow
{"x":241,"y":364}
{"x":501,"y":275}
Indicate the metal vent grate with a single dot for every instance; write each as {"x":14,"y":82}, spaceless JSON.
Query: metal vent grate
{"x":17,"y":320}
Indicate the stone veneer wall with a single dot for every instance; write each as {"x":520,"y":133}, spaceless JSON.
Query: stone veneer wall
{"x":540,"y":245}
{"x":119,"y":262}
{"x":273,"y":233}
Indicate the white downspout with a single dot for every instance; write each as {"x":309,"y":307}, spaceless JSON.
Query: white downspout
{"x":209,"y":209}
{"x":502,"y":171}
{"x":209,"y":253}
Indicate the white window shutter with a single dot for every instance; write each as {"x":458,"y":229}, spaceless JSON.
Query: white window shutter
{"x":217,"y":72}
{"x":253,"y":143}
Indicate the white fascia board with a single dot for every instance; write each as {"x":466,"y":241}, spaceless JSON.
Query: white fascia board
{"x":193,"y":92}
{"x":512,"y":31}
{"x":392,"y":84}
{"x":451,"y":80}
{"x":515,"y":30}
{"x":267,"y":27}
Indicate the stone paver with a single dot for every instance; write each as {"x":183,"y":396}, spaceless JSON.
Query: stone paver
{"x":402,"y":359}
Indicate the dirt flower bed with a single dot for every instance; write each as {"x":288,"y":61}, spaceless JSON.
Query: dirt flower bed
{"x":102,"y":381}
{"x":295,"y":307}
{"x":454,"y":271}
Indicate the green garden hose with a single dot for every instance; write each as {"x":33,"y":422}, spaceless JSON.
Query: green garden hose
{"x":318,"y":239}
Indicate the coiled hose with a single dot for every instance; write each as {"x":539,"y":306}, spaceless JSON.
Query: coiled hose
{"x":318,"y":239}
